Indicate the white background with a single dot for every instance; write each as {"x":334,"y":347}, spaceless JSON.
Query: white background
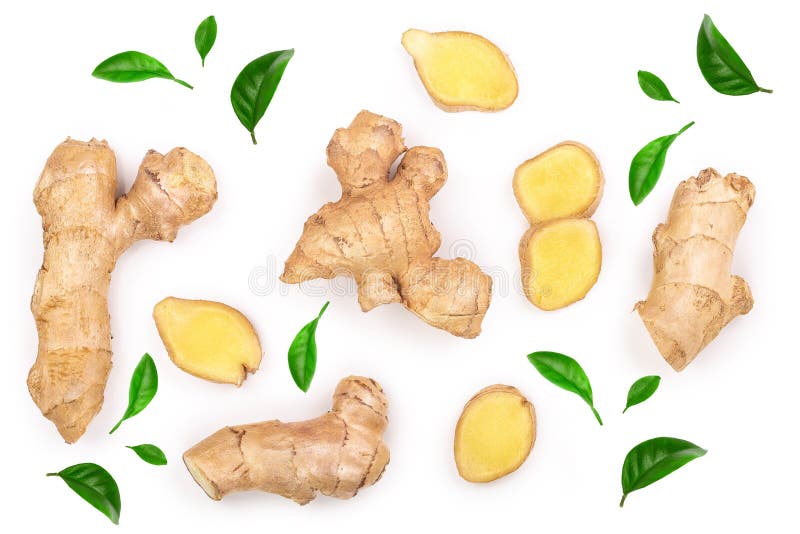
{"x":577,"y":64}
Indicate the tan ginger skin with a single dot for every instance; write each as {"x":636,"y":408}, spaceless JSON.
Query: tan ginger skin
{"x":380,"y":233}
{"x":86,"y":228}
{"x":335,"y":454}
{"x":693,"y":295}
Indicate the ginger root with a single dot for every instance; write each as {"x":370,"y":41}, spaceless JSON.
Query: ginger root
{"x":462,"y":71}
{"x":336,"y":454}
{"x":693,"y":295}
{"x":560,"y":254}
{"x":380,"y":233}
{"x":208,"y":339}
{"x":85,"y":230}
{"x":495,"y":434}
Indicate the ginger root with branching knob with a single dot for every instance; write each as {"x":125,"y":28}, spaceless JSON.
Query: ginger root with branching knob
{"x":336,"y":454}
{"x":86,"y":228}
{"x":379,"y":232}
{"x":693,"y":294}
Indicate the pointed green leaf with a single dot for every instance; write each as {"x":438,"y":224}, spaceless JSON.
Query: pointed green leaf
{"x":133,"y":66}
{"x":721,"y":66}
{"x":652,"y":460}
{"x":641,"y":390}
{"x":144,"y":384}
{"x":566,"y":373}
{"x":303,"y":353}
{"x":95,"y":485}
{"x":654,"y":87}
{"x":204,"y":37}
{"x":647,"y":165}
{"x":149,"y":453}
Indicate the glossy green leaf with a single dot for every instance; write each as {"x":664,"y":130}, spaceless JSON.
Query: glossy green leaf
{"x":144,"y":384}
{"x":566,"y":373}
{"x":721,"y":66}
{"x":652,"y":460}
{"x":654,"y":87}
{"x":204,"y":37}
{"x":95,"y":485}
{"x":303,"y":353}
{"x":255,"y":86}
{"x":149,"y":453}
{"x":133,"y":66}
{"x":641,"y":390}
{"x":647,"y":165}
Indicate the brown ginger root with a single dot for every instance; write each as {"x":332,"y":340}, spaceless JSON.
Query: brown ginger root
{"x":86,"y":228}
{"x":208,"y":339}
{"x":693,"y":295}
{"x":380,"y":233}
{"x":336,"y":454}
{"x":560,"y":255}
{"x":495,"y":434}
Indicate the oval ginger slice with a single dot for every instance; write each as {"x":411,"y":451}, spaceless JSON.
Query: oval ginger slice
{"x":462,"y":71}
{"x":495,"y":434}
{"x":208,"y":339}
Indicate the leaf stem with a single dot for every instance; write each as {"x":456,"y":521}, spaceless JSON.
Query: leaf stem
{"x":597,"y":415}
{"x":622,"y":502}
{"x":52,"y":475}
{"x":183,"y":83}
{"x":685,"y":128}
{"x":762,"y":90}
{"x":116,"y":426}
{"x":253,"y":137}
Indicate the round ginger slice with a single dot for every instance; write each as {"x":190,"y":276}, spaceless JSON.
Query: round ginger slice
{"x":208,"y":339}
{"x":563,"y":181}
{"x":495,"y":434}
{"x":462,"y":71}
{"x":560,"y":262}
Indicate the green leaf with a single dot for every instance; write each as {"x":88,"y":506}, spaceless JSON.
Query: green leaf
{"x":95,"y":485}
{"x":149,"y":453}
{"x":303,"y":353}
{"x":133,"y":66}
{"x":566,"y":373}
{"x":144,"y":384}
{"x":654,"y":87}
{"x":647,"y":165}
{"x":721,"y":66}
{"x":641,"y":390}
{"x":255,"y":86}
{"x":652,"y":460}
{"x":204,"y":37}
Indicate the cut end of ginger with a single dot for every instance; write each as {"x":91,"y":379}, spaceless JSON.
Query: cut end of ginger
{"x":561,"y":262}
{"x":564,"y":181}
{"x":208,"y":339}
{"x":495,"y":434}
{"x":462,"y":71}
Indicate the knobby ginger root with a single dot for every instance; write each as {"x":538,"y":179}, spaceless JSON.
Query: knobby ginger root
{"x":336,"y":454}
{"x":693,"y":295}
{"x":208,"y":339}
{"x":560,"y":254}
{"x":495,"y":434}
{"x":86,"y":228}
{"x":462,"y":71}
{"x":380,"y":233}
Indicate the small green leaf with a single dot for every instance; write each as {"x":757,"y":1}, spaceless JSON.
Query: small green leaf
{"x":303,"y":353}
{"x":204,"y":37}
{"x":721,"y":66}
{"x":654,"y":87}
{"x":641,"y":390}
{"x":133,"y":66}
{"x":95,"y":485}
{"x":149,"y":453}
{"x":652,"y":460}
{"x":566,"y":373}
{"x":255,"y":86}
{"x":144,"y":384}
{"x":647,"y":165}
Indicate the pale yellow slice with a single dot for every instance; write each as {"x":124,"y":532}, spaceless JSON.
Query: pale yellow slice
{"x":495,"y":434}
{"x":462,"y":71}
{"x":208,"y":339}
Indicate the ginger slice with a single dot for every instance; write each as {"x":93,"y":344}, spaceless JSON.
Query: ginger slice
{"x":495,"y":434}
{"x":208,"y":339}
{"x":562,"y":260}
{"x":462,"y":71}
